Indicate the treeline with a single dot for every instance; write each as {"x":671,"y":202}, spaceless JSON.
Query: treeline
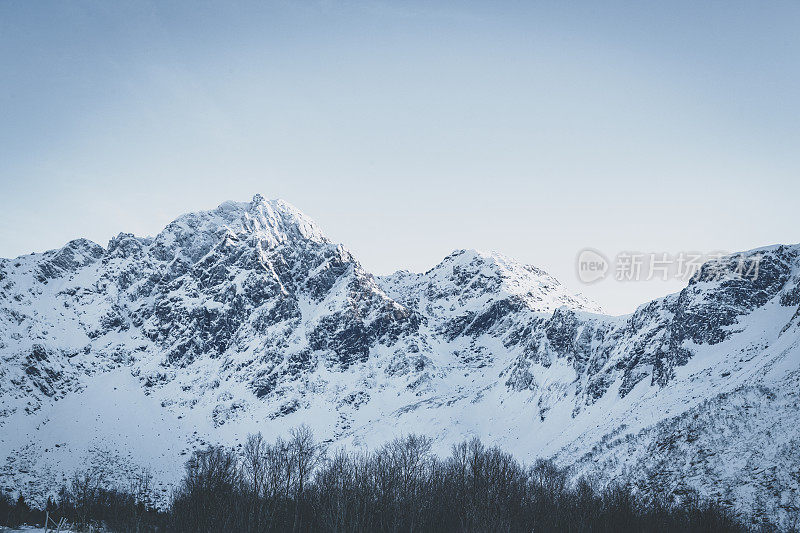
{"x":86,"y":505}
{"x":293,"y":485}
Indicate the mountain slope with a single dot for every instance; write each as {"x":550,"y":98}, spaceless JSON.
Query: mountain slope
{"x":248,"y":318}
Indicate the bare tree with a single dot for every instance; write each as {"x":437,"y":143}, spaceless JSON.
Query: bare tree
{"x":254,"y":462}
{"x":305,"y":454}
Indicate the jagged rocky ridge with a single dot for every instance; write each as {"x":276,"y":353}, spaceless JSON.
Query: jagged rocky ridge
{"x":247,"y":318}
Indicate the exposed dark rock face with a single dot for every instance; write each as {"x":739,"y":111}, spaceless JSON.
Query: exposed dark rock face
{"x":217,"y":284}
{"x":260,"y":282}
{"x":658,"y":338}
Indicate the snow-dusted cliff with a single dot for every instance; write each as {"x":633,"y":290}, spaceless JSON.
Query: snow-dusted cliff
{"x":246,"y":318}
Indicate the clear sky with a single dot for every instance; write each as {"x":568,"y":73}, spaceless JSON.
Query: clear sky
{"x":408,"y":129}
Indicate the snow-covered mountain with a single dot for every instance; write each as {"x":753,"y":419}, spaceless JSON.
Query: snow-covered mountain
{"x":247,"y":318}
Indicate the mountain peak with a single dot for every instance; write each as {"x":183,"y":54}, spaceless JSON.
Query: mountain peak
{"x":473,"y":279}
{"x":281,"y":220}
{"x":498,"y":262}
{"x":272,"y":222}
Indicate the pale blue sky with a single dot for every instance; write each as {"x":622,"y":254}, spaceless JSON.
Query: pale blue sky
{"x":408,"y":129}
